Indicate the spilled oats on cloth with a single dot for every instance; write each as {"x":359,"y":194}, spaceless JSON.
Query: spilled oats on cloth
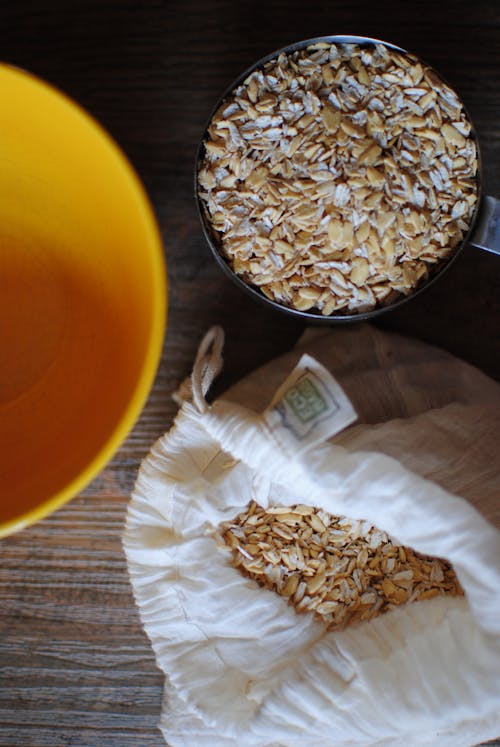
{"x":378,"y":499}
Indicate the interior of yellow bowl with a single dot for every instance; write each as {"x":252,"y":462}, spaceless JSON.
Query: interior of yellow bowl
{"x":82,"y":298}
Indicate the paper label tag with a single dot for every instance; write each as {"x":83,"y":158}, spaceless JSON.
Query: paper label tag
{"x":308,"y":408}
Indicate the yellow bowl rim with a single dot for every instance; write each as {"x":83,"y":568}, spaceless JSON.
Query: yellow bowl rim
{"x":157,"y":334}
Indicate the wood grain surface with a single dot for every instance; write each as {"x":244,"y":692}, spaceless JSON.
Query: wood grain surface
{"x":75,"y":666}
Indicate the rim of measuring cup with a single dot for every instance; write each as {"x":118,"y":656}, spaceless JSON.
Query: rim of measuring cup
{"x":214,"y":241}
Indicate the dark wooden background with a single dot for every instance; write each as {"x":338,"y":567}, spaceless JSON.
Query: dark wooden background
{"x":75,"y":667}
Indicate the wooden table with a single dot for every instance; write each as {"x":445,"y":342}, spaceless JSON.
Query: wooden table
{"x":75,"y":666}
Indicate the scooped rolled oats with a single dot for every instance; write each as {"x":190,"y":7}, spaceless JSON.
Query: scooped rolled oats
{"x":342,"y":570}
{"x":337,"y":177}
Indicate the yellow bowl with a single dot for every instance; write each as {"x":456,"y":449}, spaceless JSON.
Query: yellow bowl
{"x":82,"y":298}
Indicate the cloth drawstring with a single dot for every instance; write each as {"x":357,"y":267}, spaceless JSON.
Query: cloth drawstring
{"x":207,"y":366}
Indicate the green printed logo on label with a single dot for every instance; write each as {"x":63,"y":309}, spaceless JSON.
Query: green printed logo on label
{"x":308,"y":408}
{"x":305,"y":400}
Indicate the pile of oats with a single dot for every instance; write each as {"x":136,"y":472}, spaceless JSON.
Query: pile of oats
{"x":340,"y":569}
{"x":336,"y":177}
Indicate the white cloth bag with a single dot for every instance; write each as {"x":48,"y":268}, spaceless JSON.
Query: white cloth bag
{"x":242,"y":667}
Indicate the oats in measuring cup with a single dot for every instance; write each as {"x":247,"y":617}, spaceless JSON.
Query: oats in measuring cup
{"x":337,"y":177}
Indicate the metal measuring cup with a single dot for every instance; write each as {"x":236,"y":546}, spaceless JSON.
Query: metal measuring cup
{"x":483,"y":233}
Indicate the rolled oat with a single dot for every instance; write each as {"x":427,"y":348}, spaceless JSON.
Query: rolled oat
{"x":342,"y":570}
{"x":338,"y":176}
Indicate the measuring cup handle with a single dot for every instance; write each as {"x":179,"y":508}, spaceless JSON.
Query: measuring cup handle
{"x":486,"y":233}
